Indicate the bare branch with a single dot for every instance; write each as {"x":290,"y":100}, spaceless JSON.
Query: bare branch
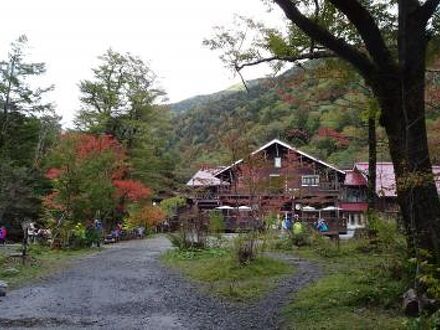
{"x":242,"y":79}
{"x":312,"y":55}
{"x":349,"y":53}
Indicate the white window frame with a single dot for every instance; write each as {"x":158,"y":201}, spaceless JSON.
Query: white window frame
{"x":277,"y":162}
{"x":315,"y":181}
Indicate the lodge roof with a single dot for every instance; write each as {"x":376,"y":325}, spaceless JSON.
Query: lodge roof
{"x":287,"y":146}
{"x":385,"y":178}
{"x":206,"y":177}
{"x":354,"y":178}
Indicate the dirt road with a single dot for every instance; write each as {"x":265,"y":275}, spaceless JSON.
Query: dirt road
{"x":126,"y":287}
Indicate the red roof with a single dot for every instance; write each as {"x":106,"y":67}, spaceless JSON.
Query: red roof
{"x":354,"y":178}
{"x":354,"y":207}
{"x":385,"y":179}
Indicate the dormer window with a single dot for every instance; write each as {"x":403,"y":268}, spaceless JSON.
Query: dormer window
{"x":277,"y":162}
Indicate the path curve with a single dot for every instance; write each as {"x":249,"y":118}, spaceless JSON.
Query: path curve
{"x":126,"y":287}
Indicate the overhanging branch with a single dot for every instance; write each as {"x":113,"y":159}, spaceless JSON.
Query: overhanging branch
{"x":305,"y":56}
{"x":365,"y":24}
{"x":341,"y":48}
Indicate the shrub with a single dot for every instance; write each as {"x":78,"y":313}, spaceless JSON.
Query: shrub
{"x":179,"y":241}
{"x":384,"y":235}
{"x":37,"y":249}
{"x":324,"y":247}
{"x":216,"y":224}
{"x":282,"y":243}
{"x":244,"y":248}
{"x":301,"y":235}
{"x":78,"y":236}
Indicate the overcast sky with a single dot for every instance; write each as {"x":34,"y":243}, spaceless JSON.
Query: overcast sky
{"x":68,"y":36}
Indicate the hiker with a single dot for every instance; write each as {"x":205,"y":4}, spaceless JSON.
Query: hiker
{"x":140,"y":232}
{"x":321,"y":225}
{"x":295,"y":218}
{"x":3,"y":234}
{"x":287,"y":223}
{"x":32,"y":232}
{"x":297,"y":228}
{"x":98,"y":230}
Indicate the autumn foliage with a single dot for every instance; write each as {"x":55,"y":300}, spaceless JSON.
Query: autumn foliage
{"x":90,"y":144}
{"x":131,"y":189}
{"x":88,"y":175}
{"x":339,"y":138}
{"x":147,"y":216}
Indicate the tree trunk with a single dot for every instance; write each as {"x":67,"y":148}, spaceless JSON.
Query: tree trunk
{"x":372,"y":159}
{"x":403,"y":116}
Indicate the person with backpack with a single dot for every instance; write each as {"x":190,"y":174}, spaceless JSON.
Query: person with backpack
{"x":321,"y":225}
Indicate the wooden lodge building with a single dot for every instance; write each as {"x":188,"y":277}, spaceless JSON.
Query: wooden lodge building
{"x":280,"y":179}
{"x":275,"y":178}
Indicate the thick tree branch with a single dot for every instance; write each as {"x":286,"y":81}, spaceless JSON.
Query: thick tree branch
{"x":428,"y":9}
{"x":359,"y":60}
{"x":365,"y":24}
{"x":311,"y":55}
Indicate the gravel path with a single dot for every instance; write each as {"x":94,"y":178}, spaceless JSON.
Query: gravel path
{"x":126,"y":287}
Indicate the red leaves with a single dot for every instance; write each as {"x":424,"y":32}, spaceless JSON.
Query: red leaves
{"x":131,"y":189}
{"x":87,"y":165}
{"x":296,"y":133}
{"x":340,"y":138}
{"x":53,"y":173}
{"x":88,"y":144}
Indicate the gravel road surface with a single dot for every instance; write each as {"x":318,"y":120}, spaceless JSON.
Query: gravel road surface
{"x":126,"y":287}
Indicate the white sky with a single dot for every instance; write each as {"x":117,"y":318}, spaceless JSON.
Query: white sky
{"x":68,"y":35}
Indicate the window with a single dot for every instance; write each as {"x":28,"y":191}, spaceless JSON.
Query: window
{"x":276,"y":183}
{"x":277,"y":162}
{"x":310,"y":180}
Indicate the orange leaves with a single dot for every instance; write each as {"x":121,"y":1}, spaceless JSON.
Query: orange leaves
{"x":131,"y":189}
{"x":148,"y":216}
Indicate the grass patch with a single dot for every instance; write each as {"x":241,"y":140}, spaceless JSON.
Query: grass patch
{"x":361,"y":290}
{"x":41,"y":262}
{"x":219,"y":271}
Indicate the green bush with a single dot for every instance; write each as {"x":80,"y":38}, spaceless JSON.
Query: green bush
{"x":384,"y":235}
{"x":283,"y":243}
{"x":37,"y":249}
{"x":323,"y":247}
{"x":179,"y":241}
{"x":216,"y":224}
{"x":82,"y":237}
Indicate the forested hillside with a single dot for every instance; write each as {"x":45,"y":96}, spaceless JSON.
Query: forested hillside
{"x":309,"y":108}
{"x":319,"y":109}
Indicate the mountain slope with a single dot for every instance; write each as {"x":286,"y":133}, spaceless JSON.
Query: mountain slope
{"x":319,"y":110}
